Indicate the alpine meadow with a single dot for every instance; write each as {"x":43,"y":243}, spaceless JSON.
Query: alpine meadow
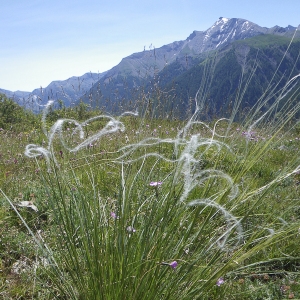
{"x":174,"y":175}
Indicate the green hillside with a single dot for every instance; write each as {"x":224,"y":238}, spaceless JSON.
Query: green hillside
{"x":245,"y":69}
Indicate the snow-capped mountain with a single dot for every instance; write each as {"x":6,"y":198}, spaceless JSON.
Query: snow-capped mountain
{"x":221,"y":33}
{"x":123,"y":81}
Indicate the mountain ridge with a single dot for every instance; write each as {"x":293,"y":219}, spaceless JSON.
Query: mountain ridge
{"x":68,"y":91}
{"x":135,"y":71}
{"x":221,"y":33}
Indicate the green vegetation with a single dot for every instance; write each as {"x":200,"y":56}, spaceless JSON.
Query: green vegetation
{"x":241,"y":71}
{"x":149,"y":208}
{"x":12,"y":116}
{"x":267,"y":41}
{"x":172,"y":204}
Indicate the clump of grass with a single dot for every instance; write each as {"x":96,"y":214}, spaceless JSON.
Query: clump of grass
{"x":168,"y":216}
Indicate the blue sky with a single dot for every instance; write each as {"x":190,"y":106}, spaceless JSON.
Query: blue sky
{"x":46,"y":40}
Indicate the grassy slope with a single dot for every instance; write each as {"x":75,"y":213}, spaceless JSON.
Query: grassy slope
{"x":20,"y":179}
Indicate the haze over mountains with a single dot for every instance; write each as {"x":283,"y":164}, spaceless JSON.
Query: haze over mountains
{"x":169,"y":66}
{"x":69,"y":91}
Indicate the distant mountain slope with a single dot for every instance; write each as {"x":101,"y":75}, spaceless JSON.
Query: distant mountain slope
{"x":139,"y":74}
{"x":264,"y":59}
{"x":221,"y":33}
{"x":18,"y":96}
{"x":14,"y":94}
{"x":171,"y":75}
{"x":68,"y":91}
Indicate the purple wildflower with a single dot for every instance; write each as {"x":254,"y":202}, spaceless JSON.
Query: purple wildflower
{"x":155,"y":183}
{"x":173,"y":264}
{"x":250,"y":135}
{"x":220,"y":281}
{"x":113,"y":215}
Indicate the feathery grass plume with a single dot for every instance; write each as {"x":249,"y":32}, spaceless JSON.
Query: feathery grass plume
{"x":211,"y":215}
{"x":113,"y":125}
